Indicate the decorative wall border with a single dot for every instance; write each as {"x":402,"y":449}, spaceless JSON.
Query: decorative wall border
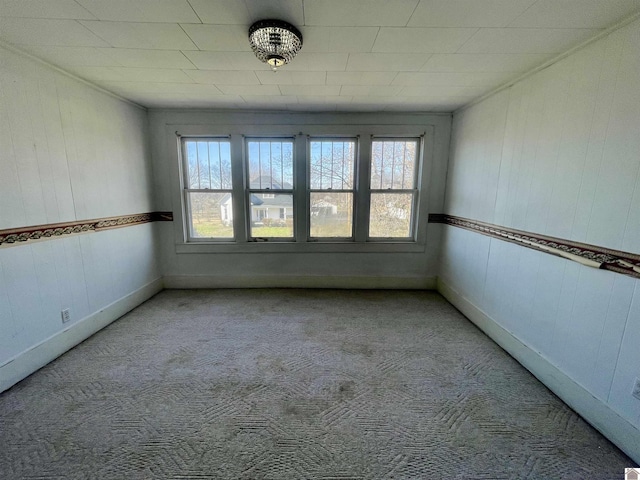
{"x":53,"y":230}
{"x":594,"y":256}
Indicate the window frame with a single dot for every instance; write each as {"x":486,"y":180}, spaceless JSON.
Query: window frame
{"x":309,"y":190}
{"x":268,"y":191}
{"x":414,"y":191}
{"x":363,"y":131}
{"x":186,"y":202}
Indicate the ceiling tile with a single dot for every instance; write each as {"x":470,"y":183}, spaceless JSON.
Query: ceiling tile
{"x":318,"y":62}
{"x":387,"y":62}
{"x":310,"y":99}
{"x":350,"y":13}
{"x":223,"y":77}
{"x":249,"y":89}
{"x":123,"y":88}
{"x":319,"y":103}
{"x":131,"y":57}
{"x":221,"y":12}
{"x":361,"y":108}
{"x":290,"y":11}
{"x":310,"y":90}
{"x":576,"y":13}
{"x":98,"y":74}
{"x":169,"y":11}
{"x":427,"y":103}
{"x":225,"y":60}
{"x":525,"y":40}
{"x":72,"y":56}
{"x":441,"y":90}
{"x":338,"y":39}
{"x":133,"y":74}
{"x":467,"y":13}
{"x":449,"y":78}
{"x":369,"y":104}
{"x":484,"y":62}
{"x":155,"y":36}
{"x":153,"y":75}
{"x":44,"y":9}
{"x":370,"y":90}
{"x":259,"y":101}
{"x":421,"y":40}
{"x":281,"y":77}
{"x":360,"y":78}
{"x":36,"y":31}
{"x":183,"y":100}
{"x":219,"y":38}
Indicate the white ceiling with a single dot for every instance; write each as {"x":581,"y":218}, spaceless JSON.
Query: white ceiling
{"x":358,"y":55}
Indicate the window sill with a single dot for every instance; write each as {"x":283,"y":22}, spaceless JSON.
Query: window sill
{"x":301,"y":247}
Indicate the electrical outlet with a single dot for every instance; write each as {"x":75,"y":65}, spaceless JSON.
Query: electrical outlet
{"x":636,"y":389}
{"x":66,"y":315}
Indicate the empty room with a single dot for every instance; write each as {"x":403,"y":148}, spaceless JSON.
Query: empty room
{"x":319,"y":239}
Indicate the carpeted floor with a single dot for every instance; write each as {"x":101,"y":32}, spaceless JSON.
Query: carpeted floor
{"x":288,"y":384}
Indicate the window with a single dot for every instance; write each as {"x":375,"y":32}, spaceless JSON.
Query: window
{"x":323,"y":192}
{"x":393,"y":188}
{"x":331,"y":177}
{"x":270,"y":168}
{"x":207,"y":188}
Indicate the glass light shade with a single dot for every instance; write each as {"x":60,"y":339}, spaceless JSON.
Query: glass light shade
{"x":275,"y":42}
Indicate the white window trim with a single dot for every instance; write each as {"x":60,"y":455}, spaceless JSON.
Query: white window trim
{"x":302,"y":244}
{"x":267,"y":191}
{"x":186,"y":190}
{"x":310,"y":138}
{"x":416,"y":191}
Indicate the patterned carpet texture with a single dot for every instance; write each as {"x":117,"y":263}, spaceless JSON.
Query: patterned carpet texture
{"x":294,"y":384}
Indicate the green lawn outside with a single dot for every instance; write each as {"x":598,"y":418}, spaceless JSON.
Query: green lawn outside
{"x":215,"y":229}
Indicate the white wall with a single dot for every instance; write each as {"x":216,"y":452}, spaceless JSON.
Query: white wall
{"x":557,"y":154}
{"x":302,"y":268}
{"x":67,"y":152}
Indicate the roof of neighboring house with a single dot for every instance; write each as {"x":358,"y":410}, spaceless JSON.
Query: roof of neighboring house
{"x":266,"y":182}
{"x":282,"y":200}
{"x":285,"y":200}
{"x":255,"y":200}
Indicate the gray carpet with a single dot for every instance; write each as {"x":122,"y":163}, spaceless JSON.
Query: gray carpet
{"x":288,"y":384}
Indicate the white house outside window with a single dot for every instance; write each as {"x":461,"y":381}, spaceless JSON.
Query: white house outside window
{"x":270,"y":179}
{"x":208,"y":188}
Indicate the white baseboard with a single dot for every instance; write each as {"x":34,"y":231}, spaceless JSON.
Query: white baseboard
{"x":36,"y":357}
{"x":299,"y":281}
{"x":622,"y":433}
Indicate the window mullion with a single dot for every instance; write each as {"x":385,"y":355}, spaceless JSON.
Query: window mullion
{"x":362,"y":204}
{"x":300,"y":190}
{"x":238,"y":175}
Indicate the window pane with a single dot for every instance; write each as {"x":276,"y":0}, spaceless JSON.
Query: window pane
{"x":208,"y":164}
{"x":391,"y":215}
{"x":270,"y":164}
{"x":331,"y":214}
{"x":331,"y":164}
{"x":272,"y":215}
{"x":393,"y":164}
{"x":211,"y":215}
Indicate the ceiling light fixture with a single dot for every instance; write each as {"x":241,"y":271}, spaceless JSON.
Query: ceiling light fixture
{"x":275,"y":42}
